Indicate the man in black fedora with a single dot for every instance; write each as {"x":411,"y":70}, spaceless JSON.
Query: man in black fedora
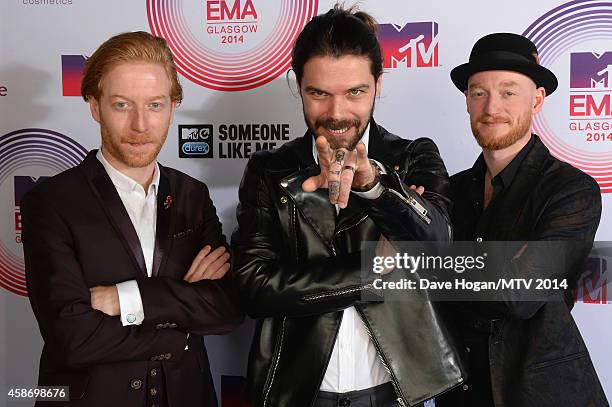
{"x":521,"y":353}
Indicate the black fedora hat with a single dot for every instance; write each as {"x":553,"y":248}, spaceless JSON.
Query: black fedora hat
{"x":508,"y":52}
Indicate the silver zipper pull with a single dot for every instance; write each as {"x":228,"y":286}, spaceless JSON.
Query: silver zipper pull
{"x":400,"y":402}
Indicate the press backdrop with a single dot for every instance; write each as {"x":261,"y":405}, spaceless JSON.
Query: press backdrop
{"x":233,"y":56}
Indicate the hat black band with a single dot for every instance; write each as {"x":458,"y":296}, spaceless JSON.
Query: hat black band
{"x":502,"y":55}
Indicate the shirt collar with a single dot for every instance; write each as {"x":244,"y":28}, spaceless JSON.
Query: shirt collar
{"x":506,"y":176}
{"x":122,"y":181}
{"x":365,"y":139}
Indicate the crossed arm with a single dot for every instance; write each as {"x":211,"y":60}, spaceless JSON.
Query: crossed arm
{"x":79,"y":334}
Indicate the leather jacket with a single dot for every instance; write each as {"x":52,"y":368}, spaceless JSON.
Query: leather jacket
{"x":298,"y":265}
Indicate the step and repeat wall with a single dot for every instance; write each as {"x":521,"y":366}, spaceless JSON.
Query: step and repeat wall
{"x":233,"y":57}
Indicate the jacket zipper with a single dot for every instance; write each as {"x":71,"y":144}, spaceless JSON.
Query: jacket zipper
{"x":276,"y":360}
{"x":414,"y":204}
{"x":398,"y":392}
{"x":313,"y":297}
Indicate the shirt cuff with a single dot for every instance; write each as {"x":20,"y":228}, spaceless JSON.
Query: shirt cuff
{"x":377,"y":189}
{"x":130,"y":303}
{"x":373,"y":193}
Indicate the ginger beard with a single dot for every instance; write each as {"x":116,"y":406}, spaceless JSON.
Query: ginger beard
{"x":134,"y":152}
{"x":489,"y":140}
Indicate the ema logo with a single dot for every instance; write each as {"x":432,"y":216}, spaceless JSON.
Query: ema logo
{"x":415,"y":45}
{"x":230,"y":45}
{"x":231,"y":24}
{"x":72,"y":72}
{"x":195,"y":141}
{"x":576,"y":122}
{"x":28,"y":157}
{"x":590,"y":85}
{"x":22,"y":184}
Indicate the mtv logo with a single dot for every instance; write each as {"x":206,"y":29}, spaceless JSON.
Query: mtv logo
{"x":410,"y":46}
{"x":232,"y":392}
{"x":195,"y":140}
{"x":72,"y":72}
{"x":593,"y":284}
{"x":195,"y":133}
{"x":591,"y":70}
{"x":23,"y":184}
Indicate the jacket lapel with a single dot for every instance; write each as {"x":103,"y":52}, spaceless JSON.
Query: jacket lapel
{"x":378,"y":148}
{"x":106,"y":192}
{"x":165,"y":208}
{"x":511,"y":210}
{"x":315,"y":206}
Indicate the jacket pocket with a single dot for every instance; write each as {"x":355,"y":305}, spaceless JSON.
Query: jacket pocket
{"x":556,"y":361}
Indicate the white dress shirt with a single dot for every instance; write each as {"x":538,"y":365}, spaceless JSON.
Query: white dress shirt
{"x":354,"y":364}
{"x":142,"y":210}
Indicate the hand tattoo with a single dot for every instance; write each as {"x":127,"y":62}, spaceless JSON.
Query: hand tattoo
{"x":339,"y":157}
{"x":334,"y":189}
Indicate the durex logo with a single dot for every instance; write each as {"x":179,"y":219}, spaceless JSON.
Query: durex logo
{"x":195,"y":141}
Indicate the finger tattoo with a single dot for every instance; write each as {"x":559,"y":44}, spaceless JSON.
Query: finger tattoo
{"x":334,"y":188}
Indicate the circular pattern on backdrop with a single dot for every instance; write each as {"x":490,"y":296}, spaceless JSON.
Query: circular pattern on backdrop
{"x":555,"y":34}
{"x":229,"y":71}
{"x":27,"y":148}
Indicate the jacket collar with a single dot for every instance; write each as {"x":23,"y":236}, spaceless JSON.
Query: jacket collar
{"x":165,"y":209}
{"x":527,"y":174}
{"x":528,"y":162}
{"x":315,"y":206}
{"x":106,"y":192}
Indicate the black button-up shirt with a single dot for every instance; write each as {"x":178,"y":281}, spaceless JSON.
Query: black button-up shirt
{"x":480,"y":219}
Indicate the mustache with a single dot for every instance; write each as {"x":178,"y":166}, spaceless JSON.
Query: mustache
{"x":334,"y":124}
{"x":492,"y":119}
{"x":137,"y":141}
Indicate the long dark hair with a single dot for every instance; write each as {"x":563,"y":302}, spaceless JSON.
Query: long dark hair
{"x":336,"y":33}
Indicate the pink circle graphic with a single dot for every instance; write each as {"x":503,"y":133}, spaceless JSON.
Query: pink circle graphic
{"x":556,"y":33}
{"x":229,"y":71}
{"x":20,"y":149}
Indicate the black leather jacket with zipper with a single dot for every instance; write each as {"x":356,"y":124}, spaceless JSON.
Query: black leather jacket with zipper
{"x":298,"y":265}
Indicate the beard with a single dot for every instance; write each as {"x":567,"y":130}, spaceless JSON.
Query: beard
{"x":118,"y":150}
{"x":325,"y":122}
{"x":517,"y":131}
